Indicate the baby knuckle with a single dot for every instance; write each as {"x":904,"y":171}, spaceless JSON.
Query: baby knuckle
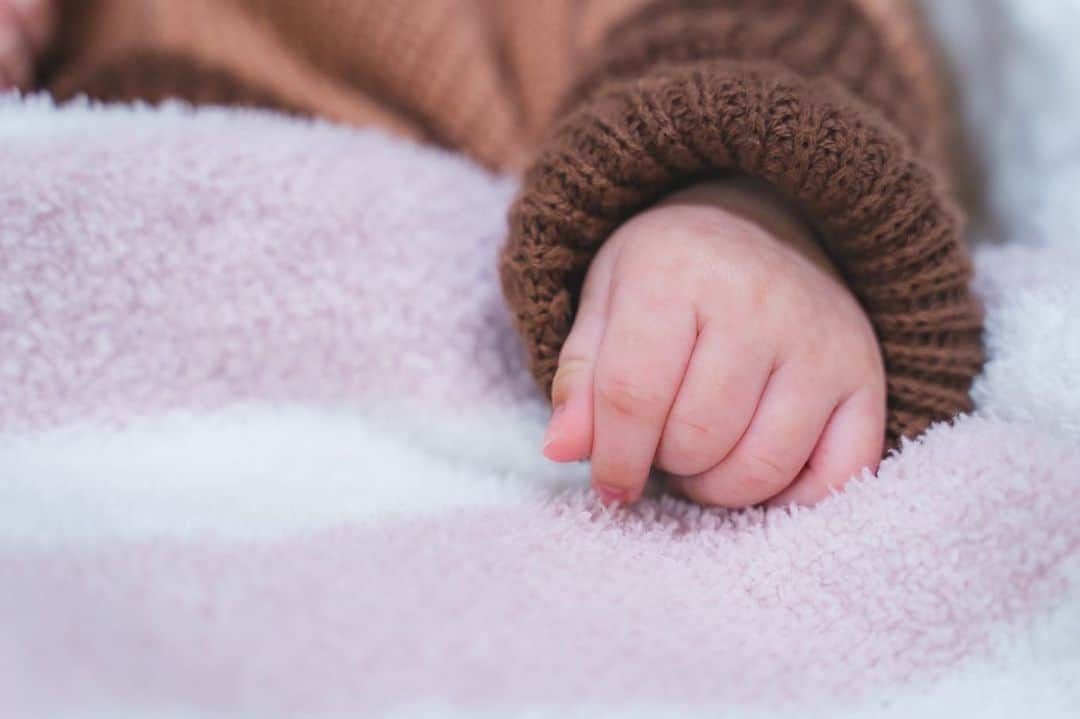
{"x":761,"y":295}
{"x":688,"y":446}
{"x":655,"y":296}
{"x":652,"y":290}
{"x":762,"y":474}
{"x":690,"y":435}
{"x":690,"y":431}
{"x":628,"y":397}
{"x":678,"y":262}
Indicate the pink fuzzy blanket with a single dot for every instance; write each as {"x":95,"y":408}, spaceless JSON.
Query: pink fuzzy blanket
{"x":267,"y":449}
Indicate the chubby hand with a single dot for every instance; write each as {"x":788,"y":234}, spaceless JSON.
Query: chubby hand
{"x":715,"y":341}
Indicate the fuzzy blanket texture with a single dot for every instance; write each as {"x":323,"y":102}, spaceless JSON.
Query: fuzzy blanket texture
{"x":268,"y":448}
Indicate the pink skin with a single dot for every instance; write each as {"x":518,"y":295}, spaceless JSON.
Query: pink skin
{"x":715,"y":342}
{"x":26,"y":28}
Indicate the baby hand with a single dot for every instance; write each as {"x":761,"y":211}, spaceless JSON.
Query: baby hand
{"x":25,"y":27}
{"x":715,"y":341}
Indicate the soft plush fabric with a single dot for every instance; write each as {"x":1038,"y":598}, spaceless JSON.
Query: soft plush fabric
{"x":610,"y":105}
{"x":268,"y":447}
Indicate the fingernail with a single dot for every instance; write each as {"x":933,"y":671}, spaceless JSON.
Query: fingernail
{"x":554,"y":428}
{"x":609,"y":495}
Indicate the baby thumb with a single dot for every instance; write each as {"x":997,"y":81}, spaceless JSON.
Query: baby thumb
{"x":569,"y":432}
{"x":569,"y":435}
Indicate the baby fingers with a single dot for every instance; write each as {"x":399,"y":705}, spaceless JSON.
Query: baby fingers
{"x":852,"y":441}
{"x":785,"y":428}
{"x":715,"y":403}
{"x":570,"y":431}
{"x":644,"y":353}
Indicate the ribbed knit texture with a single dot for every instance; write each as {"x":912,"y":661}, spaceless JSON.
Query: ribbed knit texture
{"x":796,"y":94}
{"x":610,"y":104}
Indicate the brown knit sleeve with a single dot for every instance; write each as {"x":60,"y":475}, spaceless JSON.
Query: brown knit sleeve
{"x":807,"y":95}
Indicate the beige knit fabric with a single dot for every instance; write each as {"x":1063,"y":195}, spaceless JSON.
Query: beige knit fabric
{"x":486,"y":76}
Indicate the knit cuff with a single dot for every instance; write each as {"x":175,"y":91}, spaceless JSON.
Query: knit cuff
{"x":882,"y":216}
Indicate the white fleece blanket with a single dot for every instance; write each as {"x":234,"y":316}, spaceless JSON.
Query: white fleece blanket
{"x":267,"y":448}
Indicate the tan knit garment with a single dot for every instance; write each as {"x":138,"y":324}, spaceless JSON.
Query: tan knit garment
{"x":608,"y":105}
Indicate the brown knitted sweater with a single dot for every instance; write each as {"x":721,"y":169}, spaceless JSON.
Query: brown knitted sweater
{"x":608,"y":105}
